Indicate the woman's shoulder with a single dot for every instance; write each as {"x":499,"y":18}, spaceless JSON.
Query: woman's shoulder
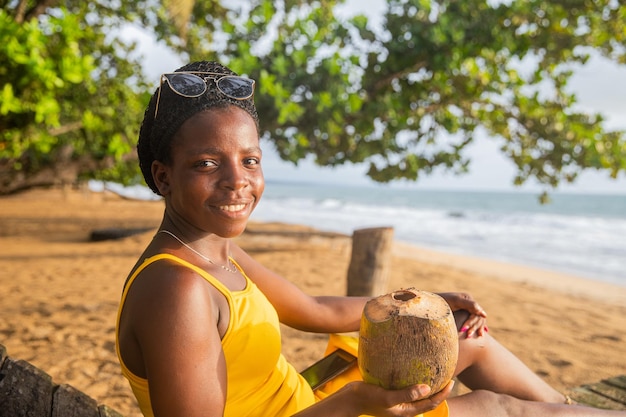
{"x":164,"y":285}
{"x":168,"y":273}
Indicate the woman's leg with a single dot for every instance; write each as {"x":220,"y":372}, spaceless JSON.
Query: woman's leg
{"x":485,"y":403}
{"x":484,"y":364}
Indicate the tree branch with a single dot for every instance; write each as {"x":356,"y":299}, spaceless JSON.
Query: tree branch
{"x":39,"y":8}
{"x":57,"y":131}
{"x":380,"y":84}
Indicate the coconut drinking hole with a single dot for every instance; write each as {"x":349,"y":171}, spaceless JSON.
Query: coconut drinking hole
{"x":403,"y":295}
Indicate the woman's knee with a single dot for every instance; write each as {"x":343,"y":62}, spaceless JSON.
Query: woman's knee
{"x":472,"y":351}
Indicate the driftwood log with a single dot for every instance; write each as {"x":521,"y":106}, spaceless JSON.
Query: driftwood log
{"x":408,"y":337}
{"x":27,"y":391}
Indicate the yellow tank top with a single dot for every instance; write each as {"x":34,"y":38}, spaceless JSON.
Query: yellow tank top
{"x":260,"y":381}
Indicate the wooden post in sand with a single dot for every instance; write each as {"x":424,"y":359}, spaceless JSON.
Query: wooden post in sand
{"x":369,"y":264}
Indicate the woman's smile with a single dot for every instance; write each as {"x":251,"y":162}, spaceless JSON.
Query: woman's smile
{"x":233,"y":207}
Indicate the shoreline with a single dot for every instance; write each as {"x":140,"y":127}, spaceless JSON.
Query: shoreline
{"x":60,"y":292}
{"x":473,"y":260}
{"x":575,"y":235}
{"x":550,"y":280}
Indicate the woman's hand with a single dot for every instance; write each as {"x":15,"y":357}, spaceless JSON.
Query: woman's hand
{"x":476,"y":323}
{"x":358,"y":398}
{"x":410,"y":401}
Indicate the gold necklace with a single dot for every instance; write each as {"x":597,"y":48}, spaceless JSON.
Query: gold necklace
{"x":233,"y":270}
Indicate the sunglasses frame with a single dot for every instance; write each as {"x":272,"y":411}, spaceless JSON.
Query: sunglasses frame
{"x":215,"y":76}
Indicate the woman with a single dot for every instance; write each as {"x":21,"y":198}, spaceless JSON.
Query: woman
{"x":198,"y":324}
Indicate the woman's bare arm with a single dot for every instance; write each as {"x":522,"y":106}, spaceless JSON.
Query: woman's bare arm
{"x":324,"y":314}
{"x":174,"y":319}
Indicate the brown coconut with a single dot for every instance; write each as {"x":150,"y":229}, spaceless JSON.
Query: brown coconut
{"x":408,"y":337}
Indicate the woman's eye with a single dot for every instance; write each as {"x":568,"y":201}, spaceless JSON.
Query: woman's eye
{"x":207,"y":163}
{"x":252,"y":161}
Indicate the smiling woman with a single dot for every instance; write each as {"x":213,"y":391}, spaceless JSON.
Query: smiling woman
{"x":198,"y":327}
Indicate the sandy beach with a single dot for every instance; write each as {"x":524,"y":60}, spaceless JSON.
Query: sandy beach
{"x":60,"y":292}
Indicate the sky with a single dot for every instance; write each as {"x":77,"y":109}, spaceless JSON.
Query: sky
{"x":600,"y":86}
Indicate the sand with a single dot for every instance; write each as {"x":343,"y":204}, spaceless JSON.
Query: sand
{"x":60,"y":292}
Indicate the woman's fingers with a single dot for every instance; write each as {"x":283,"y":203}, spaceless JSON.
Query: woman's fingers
{"x":474,"y":326}
{"x":408,"y":402}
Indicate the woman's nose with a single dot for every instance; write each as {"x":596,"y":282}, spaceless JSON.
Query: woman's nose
{"x":235,"y":177}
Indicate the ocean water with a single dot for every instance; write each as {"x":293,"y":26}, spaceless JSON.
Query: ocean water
{"x":579,"y":234}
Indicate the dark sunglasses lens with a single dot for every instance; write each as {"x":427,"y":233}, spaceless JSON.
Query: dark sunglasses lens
{"x":236,"y":87}
{"x":187,"y":84}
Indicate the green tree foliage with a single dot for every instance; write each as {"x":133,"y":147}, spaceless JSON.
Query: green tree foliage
{"x":70,"y":94}
{"x":405,"y":97}
{"x":412,"y":95}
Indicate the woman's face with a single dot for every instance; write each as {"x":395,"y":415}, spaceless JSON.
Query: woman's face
{"x":215,"y":179}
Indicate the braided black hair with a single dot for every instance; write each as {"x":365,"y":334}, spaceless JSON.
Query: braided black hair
{"x":156,"y":134}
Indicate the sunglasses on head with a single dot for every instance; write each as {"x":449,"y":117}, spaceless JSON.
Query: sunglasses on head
{"x":195,"y":83}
